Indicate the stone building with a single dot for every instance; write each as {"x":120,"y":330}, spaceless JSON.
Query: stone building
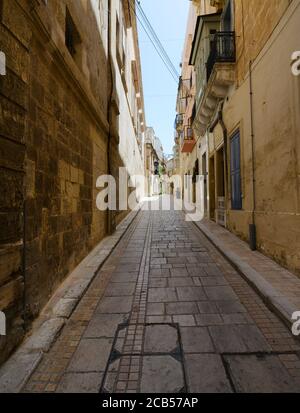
{"x":246,"y":106}
{"x":190,"y":143}
{"x":71,"y":109}
{"x":153,"y":161}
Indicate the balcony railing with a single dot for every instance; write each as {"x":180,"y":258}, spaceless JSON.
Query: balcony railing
{"x":223,"y":50}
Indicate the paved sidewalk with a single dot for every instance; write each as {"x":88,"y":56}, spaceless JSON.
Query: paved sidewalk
{"x":168,"y":313}
{"x":278,"y":286}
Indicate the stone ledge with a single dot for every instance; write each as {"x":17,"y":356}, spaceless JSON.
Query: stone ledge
{"x":45,"y":330}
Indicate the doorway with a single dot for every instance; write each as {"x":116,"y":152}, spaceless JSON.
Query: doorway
{"x":212,"y":198}
{"x":195,"y":181}
{"x":220,"y":187}
{"x":204,"y":173}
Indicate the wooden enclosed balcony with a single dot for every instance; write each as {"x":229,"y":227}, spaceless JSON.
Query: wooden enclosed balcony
{"x":188,"y":141}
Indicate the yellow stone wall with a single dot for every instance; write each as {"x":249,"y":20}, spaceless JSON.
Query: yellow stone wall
{"x":276,"y":120}
{"x":255,"y":21}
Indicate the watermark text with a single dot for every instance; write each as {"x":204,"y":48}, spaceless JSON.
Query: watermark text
{"x":2,"y":64}
{"x":2,"y":324}
{"x":295,"y":63}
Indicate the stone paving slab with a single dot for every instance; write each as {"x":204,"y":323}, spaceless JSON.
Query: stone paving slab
{"x":127,"y":277}
{"x":104,"y":325}
{"x":278,"y":286}
{"x":220,"y":293}
{"x":162,"y":295}
{"x":161,"y":338}
{"x":264,"y":374}
{"x":184,"y":320}
{"x":196,"y":340}
{"x":238,"y":339}
{"x":162,"y":374}
{"x":155,"y":308}
{"x":209,"y":320}
{"x":80,"y":383}
{"x":120,"y":289}
{"x":91,"y":355}
{"x":115,"y":305}
{"x":191,"y":294}
{"x":206,"y":374}
{"x":230,"y":307}
{"x":182,"y":308}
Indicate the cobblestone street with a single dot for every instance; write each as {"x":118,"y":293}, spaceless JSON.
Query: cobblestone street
{"x":167,"y":313}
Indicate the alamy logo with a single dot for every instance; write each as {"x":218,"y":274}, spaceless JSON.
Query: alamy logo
{"x":296,"y":63}
{"x":2,"y":324}
{"x":296,"y":325}
{"x":2,"y":64}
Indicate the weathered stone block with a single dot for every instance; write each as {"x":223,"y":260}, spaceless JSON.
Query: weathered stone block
{"x":11,"y":227}
{"x":17,"y":57}
{"x":11,"y":154}
{"x":15,"y":20}
{"x":10,"y":262}
{"x":30,"y":179}
{"x":91,"y":355}
{"x":74,"y":174}
{"x":10,"y":293}
{"x":80,"y":383}
{"x":206,"y":374}
{"x":161,"y":374}
{"x":254,"y":374}
{"x":64,"y":170}
{"x":12,"y":120}
{"x":12,"y":192}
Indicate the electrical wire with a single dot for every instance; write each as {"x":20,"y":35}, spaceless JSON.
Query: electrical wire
{"x":153,"y":43}
{"x":157,"y":40}
{"x":174,"y":76}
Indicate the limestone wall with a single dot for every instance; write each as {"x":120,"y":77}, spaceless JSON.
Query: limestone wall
{"x":53,"y":146}
{"x":276,"y":135}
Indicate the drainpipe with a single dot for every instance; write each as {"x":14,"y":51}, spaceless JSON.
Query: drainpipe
{"x":225,"y":135}
{"x":24,"y":258}
{"x":252,"y":226}
{"x":110,"y":225}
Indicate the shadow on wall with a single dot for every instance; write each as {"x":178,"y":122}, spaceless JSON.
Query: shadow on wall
{"x":53,"y":135}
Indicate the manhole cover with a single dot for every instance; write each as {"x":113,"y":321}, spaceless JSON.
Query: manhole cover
{"x":145,"y":358}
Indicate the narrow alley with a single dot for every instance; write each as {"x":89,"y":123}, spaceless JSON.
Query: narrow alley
{"x":168,"y":314}
{"x":150,"y":201}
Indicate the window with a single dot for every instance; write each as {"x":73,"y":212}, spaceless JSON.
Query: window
{"x":235,"y":172}
{"x":72,"y":38}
